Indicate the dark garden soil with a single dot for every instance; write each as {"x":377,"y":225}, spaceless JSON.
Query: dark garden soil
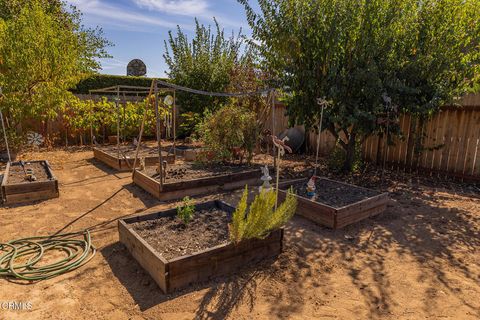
{"x":170,"y":237}
{"x":17,"y":174}
{"x":335,"y":194}
{"x":191,"y":171}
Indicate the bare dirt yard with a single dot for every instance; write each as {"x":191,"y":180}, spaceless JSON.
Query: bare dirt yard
{"x":419,"y":259}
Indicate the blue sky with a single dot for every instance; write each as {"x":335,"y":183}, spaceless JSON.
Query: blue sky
{"x":138,"y":28}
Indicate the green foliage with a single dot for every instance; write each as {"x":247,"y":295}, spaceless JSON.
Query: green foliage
{"x":336,"y":159}
{"x":99,"y":81}
{"x":44,"y":51}
{"x":261,"y":218}
{"x":421,"y":54}
{"x":15,"y":140}
{"x":186,"y":210}
{"x":81,"y":115}
{"x":189,"y":124}
{"x":205,"y":63}
{"x":229,"y":128}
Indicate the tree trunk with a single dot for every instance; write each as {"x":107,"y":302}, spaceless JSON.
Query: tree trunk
{"x":350,"y":153}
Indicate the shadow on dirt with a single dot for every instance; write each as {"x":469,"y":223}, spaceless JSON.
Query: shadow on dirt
{"x":439,"y":240}
{"x":223,"y":295}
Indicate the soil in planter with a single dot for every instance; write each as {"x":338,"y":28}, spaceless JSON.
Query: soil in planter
{"x":172,"y":239}
{"x":17,"y":175}
{"x":335,"y":194}
{"x":192,"y":171}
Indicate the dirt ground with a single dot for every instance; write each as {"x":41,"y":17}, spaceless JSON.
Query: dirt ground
{"x":420,"y":259}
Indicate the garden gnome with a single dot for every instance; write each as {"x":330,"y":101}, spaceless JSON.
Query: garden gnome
{"x":266,"y":180}
{"x":311,"y":188}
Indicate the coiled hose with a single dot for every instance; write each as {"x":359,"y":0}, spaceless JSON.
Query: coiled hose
{"x":25,"y":259}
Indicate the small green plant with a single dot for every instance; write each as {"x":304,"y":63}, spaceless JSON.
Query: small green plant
{"x":261,"y":218}
{"x":186,"y":210}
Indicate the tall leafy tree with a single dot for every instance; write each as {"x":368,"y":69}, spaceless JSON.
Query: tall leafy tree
{"x":360,"y":55}
{"x":44,"y":51}
{"x":204,"y":63}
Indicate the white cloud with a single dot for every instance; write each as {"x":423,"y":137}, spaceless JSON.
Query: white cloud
{"x":109,"y":64}
{"x":179,"y":7}
{"x":115,"y":15}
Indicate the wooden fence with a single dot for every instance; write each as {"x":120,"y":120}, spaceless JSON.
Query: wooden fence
{"x":448,"y":143}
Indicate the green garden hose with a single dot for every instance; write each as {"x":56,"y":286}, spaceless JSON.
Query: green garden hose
{"x":25,"y":259}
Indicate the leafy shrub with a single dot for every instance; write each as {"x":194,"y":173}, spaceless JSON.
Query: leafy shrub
{"x":228,"y":129}
{"x":15,"y":140}
{"x":98,"y":81}
{"x":186,"y":210}
{"x":189,"y":124}
{"x":261,"y":218}
{"x":81,"y":115}
{"x":338,"y":156}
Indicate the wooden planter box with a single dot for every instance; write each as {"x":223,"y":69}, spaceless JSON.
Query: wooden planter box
{"x":182,"y":150}
{"x":183,"y":271}
{"x":121,"y":163}
{"x":29,"y":191}
{"x":336,"y":217}
{"x":178,"y":190}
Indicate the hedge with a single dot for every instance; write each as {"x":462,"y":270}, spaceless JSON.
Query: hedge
{"x":99,"y":81}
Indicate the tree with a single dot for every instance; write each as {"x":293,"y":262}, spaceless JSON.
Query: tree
{"x":358,"y":55}
{"x":44,"y":51}
{"x":205,"y":63}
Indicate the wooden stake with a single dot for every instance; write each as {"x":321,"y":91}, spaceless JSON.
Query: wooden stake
{"x":159,"y":137}
{"x":318,"y":141}
{"x":278,"y":179}
{"x":141,"y":127}
{"x":118,"y":122}
{"x":174,"y":125}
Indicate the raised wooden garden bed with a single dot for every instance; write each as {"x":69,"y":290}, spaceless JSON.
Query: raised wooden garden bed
{"x":187,"y":152}
{"x":337,"y":204}
{"x":17,"y":189}
{"x":124,"y":161}
{"x":190,"y":179}
{"x":177,"y":256}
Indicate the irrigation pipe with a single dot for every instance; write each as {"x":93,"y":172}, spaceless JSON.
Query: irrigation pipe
{"x":27,"y":258}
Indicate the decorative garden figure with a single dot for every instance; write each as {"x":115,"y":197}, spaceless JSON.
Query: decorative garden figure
{"x":266,"y":180}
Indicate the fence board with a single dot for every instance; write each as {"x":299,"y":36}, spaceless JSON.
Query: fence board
{"x":450,"y":139}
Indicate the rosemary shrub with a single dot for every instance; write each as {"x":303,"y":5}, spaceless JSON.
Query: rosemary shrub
{"x":261,"y":218}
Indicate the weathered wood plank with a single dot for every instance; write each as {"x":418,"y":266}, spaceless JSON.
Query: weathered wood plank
{"x":146,"y":256}
{"x":335,"y":218}
{"x":178,"y":190}
{"x":222,"y":261}
{"x":29,"y":187}
{"x":106,"y":158}
{"x":361,"y":216}
{"x":33,"y":196}
{"x":29,"y":191}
